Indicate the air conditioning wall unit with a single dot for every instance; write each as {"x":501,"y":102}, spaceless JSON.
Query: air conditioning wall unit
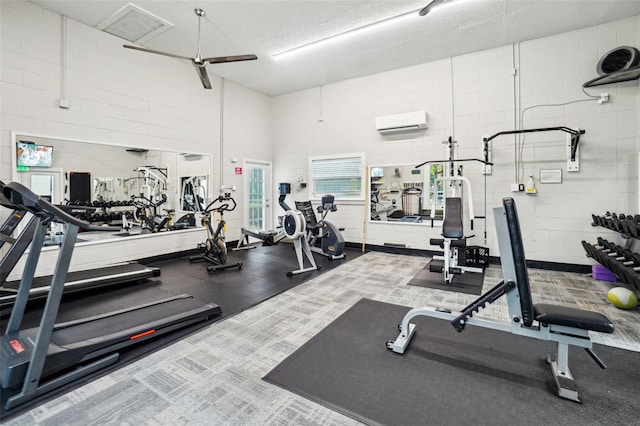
{"x":409,"y":121}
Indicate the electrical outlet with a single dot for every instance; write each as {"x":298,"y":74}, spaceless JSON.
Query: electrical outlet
{"x":515,"y":187}
{"x":604,"y":98}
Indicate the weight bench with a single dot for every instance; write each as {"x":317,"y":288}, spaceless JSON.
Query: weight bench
{"x":564,"y":325}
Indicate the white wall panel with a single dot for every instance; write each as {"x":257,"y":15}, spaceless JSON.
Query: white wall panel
{"x":118,"y":96}
{"x":476,"y":95}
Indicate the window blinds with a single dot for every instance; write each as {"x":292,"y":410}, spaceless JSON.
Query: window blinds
{"x":341,"y":177}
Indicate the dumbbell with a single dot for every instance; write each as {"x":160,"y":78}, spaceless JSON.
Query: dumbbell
{"x":632,"y":226}
{"x":604,"y":244}
{"x":631,"y":259}
{"x":588,"y":248}
{"x":602,"y":252}
{"x":596,"y":220}
{"x":629,"y":276}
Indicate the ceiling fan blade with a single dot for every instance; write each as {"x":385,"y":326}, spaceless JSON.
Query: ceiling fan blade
{"x":430,"y":6}
{"x":204,"y":77}
{"x":223,"y":59}
{"x":143,"y":49}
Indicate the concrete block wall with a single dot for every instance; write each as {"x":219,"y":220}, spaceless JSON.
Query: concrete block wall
{"x":477,"y":95}
{"x":552,"y":71}
{"x":131,"y":98}
{"x":118,"y":96}
{"x":246,"y":135}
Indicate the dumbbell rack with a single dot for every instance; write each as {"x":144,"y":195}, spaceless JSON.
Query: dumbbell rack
{"x":621,"y":260}
{"x":627,"y":225}
{"x":112,"y":211}
{"x":107,"y":212}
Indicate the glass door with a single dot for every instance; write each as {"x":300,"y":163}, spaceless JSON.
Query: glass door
{"x":258,"y":190}
{"x":46,"y":183}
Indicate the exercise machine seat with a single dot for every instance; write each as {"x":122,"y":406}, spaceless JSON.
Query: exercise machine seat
{"x":306,"y":209}
{"x":572,"y":317}
{"x":452,"y":224}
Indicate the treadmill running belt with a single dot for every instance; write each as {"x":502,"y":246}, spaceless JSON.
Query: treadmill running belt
{"x":100,"y":337}
{"x":127,"y":322}
{"x":82,"y":280}
{"x":90,"y":274}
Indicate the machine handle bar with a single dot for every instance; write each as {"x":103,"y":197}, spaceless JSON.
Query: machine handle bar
{"x":223,"y":207}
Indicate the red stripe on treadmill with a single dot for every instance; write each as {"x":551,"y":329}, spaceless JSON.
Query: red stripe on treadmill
{"x":137,"y":336}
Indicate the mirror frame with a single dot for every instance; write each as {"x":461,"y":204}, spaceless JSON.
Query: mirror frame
{"x":423,"y":207}
{"x":176,"y":179}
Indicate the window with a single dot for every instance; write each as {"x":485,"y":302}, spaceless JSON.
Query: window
{"x":436,"y":171}
{"x":257,"y":187}
{"x":342,"y":176}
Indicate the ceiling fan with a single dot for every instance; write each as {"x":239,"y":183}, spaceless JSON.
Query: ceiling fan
{"x":430,"y":6}
{"x":199,"y":62}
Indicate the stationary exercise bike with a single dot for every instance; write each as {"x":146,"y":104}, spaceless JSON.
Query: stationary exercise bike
{"x":215,"y":247}
{"x":146,"y":214}
{"x":331,"y":240}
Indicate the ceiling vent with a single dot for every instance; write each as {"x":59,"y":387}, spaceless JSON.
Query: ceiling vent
{"x":190,"y":157}
{"x":134,"y":24}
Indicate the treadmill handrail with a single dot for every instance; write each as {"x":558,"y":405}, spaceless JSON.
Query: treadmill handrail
{"x":17,"y":196}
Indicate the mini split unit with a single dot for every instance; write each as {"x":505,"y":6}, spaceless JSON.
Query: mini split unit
{"x":409,"y":121}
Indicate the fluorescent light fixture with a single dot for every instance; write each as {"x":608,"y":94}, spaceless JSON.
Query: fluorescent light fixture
{"x":355,"y":31}
{"x":134,"y":24}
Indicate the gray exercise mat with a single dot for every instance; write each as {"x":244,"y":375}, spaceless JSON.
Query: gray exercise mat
{"x":468,"y":283}
{"x":479,"y":376}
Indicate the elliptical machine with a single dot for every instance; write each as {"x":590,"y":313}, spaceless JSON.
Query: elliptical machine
{"x":294,"y":228}
{"x":331,"y":240}
{"x":215,"y":247}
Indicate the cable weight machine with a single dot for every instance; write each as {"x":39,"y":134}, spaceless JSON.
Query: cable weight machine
{"x":452,"y":226}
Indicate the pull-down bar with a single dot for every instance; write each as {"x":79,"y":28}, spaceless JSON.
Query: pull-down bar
{"x":575,"y":138}
{"x":447,"y":161}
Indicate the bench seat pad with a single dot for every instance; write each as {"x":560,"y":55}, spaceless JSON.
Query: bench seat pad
{"x":572,"y":317}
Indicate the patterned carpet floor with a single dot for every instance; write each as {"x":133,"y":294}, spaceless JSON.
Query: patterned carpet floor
{"x":214,"y":377}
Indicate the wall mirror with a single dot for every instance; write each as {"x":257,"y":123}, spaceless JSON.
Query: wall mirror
{"x":116,"y":181}
{"x":404,"y":194}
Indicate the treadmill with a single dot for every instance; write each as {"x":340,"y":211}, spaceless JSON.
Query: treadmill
{"x":126,"y":272}
{"x":121,"y":273}
{"x":39,"y":360}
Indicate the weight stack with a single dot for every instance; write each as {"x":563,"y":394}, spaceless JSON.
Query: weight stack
{"x":476,"y":256}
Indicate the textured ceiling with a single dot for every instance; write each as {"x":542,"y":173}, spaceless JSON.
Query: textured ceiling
{"x":265,"y":27}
